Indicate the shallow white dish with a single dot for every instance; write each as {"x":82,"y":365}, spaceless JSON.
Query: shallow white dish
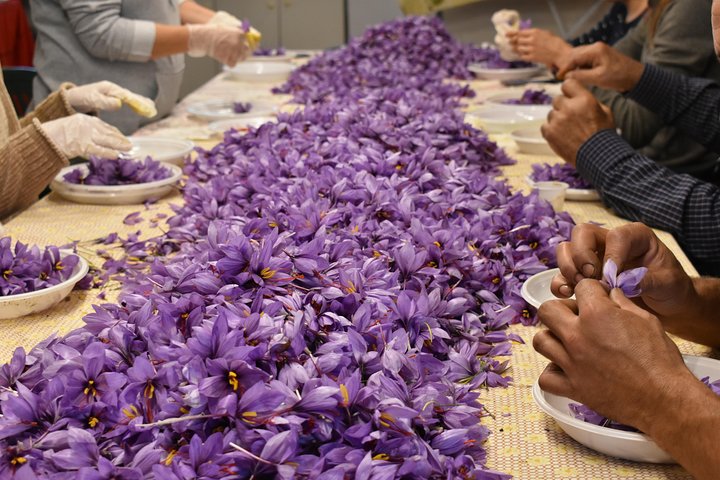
{"x":536,"y":289}
{"x":616,"y":443}
{"x":497,"y":101}
{"x":504,"y":74}
{"x":286,"y":57}
{"x":239,"y":124}
{"x":223,"y":109}
{"x":161,"y":149}
{"x":575,"y":194}
{"x":531,"y":141}
{"x":495,"y":120}
{"x":254,"y":71}
{"x":16,"y":306}
{"x":115,"y":194}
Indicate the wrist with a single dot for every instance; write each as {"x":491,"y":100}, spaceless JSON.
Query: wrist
{"x":634,"y":72}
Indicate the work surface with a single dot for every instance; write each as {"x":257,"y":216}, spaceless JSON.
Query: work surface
{"x":524,"y":441}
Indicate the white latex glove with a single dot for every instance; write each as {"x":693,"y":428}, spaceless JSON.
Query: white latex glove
{"x":506,"y":21}
{"x":224,"y":18}
{"x":95,"y":97}
{"x":81,"y":135}
{"x":228,"y":45}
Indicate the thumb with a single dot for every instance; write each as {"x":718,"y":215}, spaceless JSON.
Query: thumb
{"x":106,"y":102}
{"x":617,"y":296}
{"x":573,"y":88}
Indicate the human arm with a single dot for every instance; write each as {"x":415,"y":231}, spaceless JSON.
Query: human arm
{"x":193,"y":12}
{"x":614,"y":357}
{"x":55,"y":106}
{"x":540,"y":46}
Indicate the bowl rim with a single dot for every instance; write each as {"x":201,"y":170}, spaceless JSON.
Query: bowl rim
{"x":59,"y":182}
{"x":540,"y":400}
{"x":479,"y":67}
{"x":81,"y":269}
{"x":245,"y":68}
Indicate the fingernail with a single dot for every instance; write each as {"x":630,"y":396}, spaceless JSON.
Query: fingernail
{"x":588,"y":270}
{"x":579,"y":277}
{"x":565,"y":291}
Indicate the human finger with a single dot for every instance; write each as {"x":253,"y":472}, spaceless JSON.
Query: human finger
{"x":554,"y":380}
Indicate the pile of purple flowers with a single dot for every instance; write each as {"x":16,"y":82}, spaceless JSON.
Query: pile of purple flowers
{"x":581,"y":412}
{"x":242,"y":107}
{"x":339,"y":289}
{"x":120,"y":171}
{"x":26,"y":269}
{"x":531,"y":97}
{"x":559,"y":172}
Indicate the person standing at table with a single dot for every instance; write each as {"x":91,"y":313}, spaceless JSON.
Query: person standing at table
{"x":674,"y":35}
{"x":33,"y":149}
{"x":138,"y":44}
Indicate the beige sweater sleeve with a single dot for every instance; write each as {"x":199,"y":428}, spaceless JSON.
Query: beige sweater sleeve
{"x":53,"y":107}
{"x":28,"y":162}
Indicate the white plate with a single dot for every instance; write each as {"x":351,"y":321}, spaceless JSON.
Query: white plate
{"x":273,"y":58}
{"x":16,"y":306}
{"x":253,"y":71}
{"x":616,"y":443}
{"x":504,"y":74}
{"x":240,"y":124}
{"x":575,"y":194}
{"x":531,"y":141}
{"x":536,"y":289}
{"x":504,"y":120}
{"x":115,"y":194}
{"x":161,"y":149}
{"x":497,"y":101}
{"x":223,"y":109}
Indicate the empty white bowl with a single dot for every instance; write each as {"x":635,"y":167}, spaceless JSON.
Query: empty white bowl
{"x":223,"y":109}
{"x":531,"y":141}
{"x":616,"y":443}
{"x":536,"y":289}
{"x":161,"y":149}
{"x":496,"y":120}
{"x":254,"y":71}
{"x":16,"y":306}
{"x":114,"y":194}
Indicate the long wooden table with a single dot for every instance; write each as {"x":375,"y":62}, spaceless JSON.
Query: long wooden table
{"x":524,"y":441}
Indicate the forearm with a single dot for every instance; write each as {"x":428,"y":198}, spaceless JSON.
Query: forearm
{"x":700,"y":321}
{"x":687,"y":426}
{"x":170,"y":40}
{"x":637,"y":124}
{"x":690,"y":104}
{"x":192,"y":12}
{"x":640,"y":189}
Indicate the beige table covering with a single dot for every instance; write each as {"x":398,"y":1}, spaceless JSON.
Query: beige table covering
{"x":524,"y":441}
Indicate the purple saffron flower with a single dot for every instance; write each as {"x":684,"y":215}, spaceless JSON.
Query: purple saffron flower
{"x":627,"y":281}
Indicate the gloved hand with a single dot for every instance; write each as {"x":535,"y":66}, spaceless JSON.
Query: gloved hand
{"x":224,"y":18}
{"x":95,"y":97}
{"x":228,"y":45}
{"x":81,"y":135}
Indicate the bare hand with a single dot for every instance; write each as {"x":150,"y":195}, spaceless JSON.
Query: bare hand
{"x":576,"y":116}
{"x":602,"y":66}
{"x":667,"y":290}
{"x":612,"y":356}
{"x":540,"y":46}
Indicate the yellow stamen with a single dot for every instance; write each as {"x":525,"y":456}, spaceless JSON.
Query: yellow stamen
{"x":432,"y":264}
{"x":381,"y":456}
{"x":7,"y":273}
{"x":43,"y":276}
{"x":534,"y":245}
{"x":149,"y":390}
{"x":233,"y":381}
{"x":351,"y":287}
{"x":272,"y":225}
{"x":168,"y":460}
{"x":18,"y":460}
{"x":345,"y":394}
{"x":131,"y":412}
{"x":437,"y":244}
{"x":90,"y":388}
{"x":249,"y":414}
{"x":496,"y":280}
{"x":267,"y":274}
{"x":377,"y":254}
{"x":59,"y":266}
{"x":184,"y":410}
{"x":93,"y":421}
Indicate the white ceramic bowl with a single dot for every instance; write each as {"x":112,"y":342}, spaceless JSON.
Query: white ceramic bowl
{"x":161,"y":149}
{"x":504,"y":74}
{"x":254,"y":71}
{"x":115,"y":194}
{"x":16,"y":306}
{"x":493,"y":120}
{"x":497,"y":101}
{"x":616,"y":443}
{"x":223,"y":109}
{"x":531,"y":141}
{"x":575,"y":194}
{"x":240,"y":124}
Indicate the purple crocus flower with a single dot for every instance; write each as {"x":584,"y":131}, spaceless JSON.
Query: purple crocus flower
{"x":627,"y":281}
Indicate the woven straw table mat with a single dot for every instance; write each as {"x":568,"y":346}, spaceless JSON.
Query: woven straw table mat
{"x":524,"y":441}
